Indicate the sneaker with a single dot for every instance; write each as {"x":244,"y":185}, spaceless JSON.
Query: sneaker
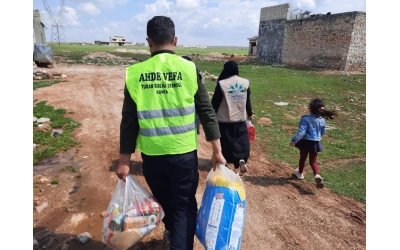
{"x":243,"y":167}
{"x":319,"y":180}
{"x":298,"y":175}
{"x":167,"y":236}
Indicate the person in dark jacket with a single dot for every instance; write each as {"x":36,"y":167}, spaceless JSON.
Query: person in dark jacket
{"x":231,"y":102}
{"x":161,"y":97}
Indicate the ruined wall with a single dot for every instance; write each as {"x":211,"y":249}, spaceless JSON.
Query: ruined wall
{"x":357,"y":56}
{"x":280,"y":11}
{"x":270,"y":41}
{"x":271,"y":33}
{"x":38,"y":28}
{"x":334,"y":42}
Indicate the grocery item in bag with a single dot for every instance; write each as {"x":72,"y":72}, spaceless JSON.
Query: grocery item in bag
{"x":133,"y":212}
{"x":221,"y":216}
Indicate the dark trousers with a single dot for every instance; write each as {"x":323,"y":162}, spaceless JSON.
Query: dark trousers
{"x":235,"y":142}
{"x":312,"y":160}
{"x":173,"y":180}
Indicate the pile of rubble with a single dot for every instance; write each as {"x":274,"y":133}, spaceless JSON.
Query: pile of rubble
{"x":44,"y":74}
{"x":250,"y":59}
{"x":101,"y":55}
{"x":209,"y":76}
{"x":140,"y":51}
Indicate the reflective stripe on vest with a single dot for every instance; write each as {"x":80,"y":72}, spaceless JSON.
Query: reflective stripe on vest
{"x":167,"y":130}
{"x":166,"y":112}
{"x":165,"y":104}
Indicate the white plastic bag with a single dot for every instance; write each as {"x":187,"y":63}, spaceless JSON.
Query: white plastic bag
{"x":133,"y":212}
{"x":220,"y":220}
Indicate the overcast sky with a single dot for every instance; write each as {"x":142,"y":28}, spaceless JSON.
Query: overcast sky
{"x":197,"y":22}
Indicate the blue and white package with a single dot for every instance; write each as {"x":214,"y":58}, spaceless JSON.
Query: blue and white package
{"x":220,"y":220}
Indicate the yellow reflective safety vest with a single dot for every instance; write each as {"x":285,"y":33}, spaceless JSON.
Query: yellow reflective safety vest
{"x":165,"y":104}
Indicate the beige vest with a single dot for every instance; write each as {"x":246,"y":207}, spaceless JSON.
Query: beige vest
{"x":233,"y":105}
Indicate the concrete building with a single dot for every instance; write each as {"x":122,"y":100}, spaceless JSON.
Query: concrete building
{"x":39,"y":35}
{"x":323,"y":41}
{"x":252,"y":45}
{"x":97,"y":42}
{"x":117,"y":41}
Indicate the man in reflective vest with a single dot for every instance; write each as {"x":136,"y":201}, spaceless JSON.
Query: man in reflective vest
{"x":161,"y":97}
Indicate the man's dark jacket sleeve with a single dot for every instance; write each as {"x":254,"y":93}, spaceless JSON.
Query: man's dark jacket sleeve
{"x":129,"y":128}
{"x":205,"y":111}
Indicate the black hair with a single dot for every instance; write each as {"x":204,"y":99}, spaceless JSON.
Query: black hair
{"x":187,"y":58}
{"x":317,"y":107}
{"x":161,"y":30}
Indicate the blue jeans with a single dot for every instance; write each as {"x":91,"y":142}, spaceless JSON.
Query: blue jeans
{"x":173,"y":180}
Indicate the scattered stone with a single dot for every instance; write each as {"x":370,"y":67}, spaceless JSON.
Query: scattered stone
{"x":281,"y":103}
{"x":34,"y":119}
{"x":37,"y":78}
{"x":38,"y":203}
{"x":76,"y":218}
{"x":76,"y":188}
{"x":41,"y":207}
{"x":35,"y":244}
{"x":92,"y":214}
{"x":84,"y":237}
{"x":44,"y":127}
{"x":63,"y":76}
{"x":74,"y":210}
{"x":43,"y":120}
{"x":103,"y":214}
{"x":50,"y":75}
{"x":37,"y":178}
{"x":44,"y":180}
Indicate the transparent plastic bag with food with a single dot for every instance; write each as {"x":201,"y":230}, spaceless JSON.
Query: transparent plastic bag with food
{"x":133,"y":213}
{"x":220,"y":220}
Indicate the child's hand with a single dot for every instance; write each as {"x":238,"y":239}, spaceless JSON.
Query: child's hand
{"x":291,"y":143}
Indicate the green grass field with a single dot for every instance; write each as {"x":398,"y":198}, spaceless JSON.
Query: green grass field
{"x":180,"y":50}
{"x":343,"y":160}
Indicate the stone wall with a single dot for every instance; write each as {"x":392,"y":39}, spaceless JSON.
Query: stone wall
{"x":357,"y":56}
{"x":327,"y":41}
{"x":334,"y":42}
{"x":280,"y":11}
{"x":270,"y":41}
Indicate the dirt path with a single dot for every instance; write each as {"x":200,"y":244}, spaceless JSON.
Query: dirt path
{"x":282,"y":213}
